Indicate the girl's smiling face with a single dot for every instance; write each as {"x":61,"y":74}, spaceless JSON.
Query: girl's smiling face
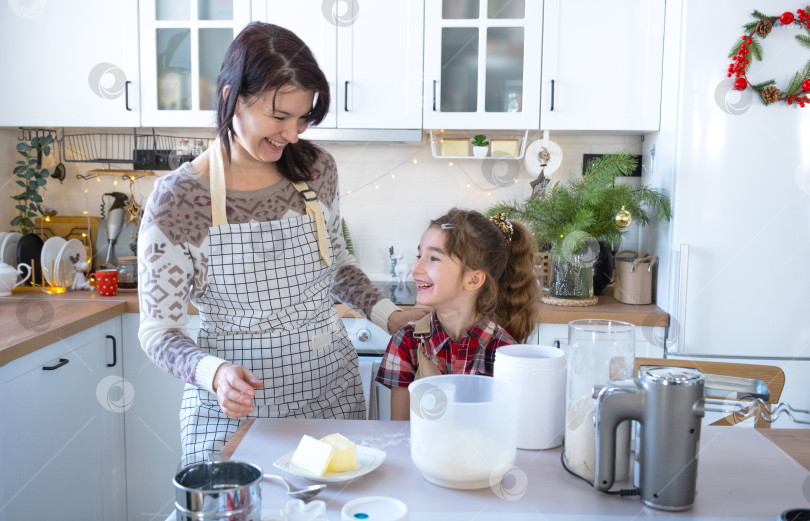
{"x":264,"y":126}
{"x":439,"y":276}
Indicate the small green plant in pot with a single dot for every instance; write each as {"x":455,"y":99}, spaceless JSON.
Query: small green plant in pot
{"x":572,"y":218}
{"x":31,"y":177}
{"x":480,"y":145}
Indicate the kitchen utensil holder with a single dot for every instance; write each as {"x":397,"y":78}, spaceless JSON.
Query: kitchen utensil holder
{"x":144,"y":151}
{"x":757,"y":408}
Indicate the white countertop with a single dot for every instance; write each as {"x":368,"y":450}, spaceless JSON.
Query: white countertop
{"x":741,"y":475}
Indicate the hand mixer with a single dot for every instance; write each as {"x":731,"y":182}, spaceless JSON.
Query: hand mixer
{"x":116,"y":216}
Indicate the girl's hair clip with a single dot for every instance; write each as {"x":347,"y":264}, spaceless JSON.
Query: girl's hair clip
{"x":447,"y":226}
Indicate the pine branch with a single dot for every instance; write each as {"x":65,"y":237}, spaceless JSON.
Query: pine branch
{"x":795,"y":84}
{"x":760,"y":86}
{"x":750,"y":27}
{"x":803,"y":39}
{"x":755,"y":48}
{"x":757,"y":14}
{"x":735,"y":48}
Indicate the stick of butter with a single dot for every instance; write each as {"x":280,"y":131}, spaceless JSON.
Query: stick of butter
{"x":344,"y":457}
{"x":312,"y":455}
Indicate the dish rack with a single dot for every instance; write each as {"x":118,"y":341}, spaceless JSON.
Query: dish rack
{"x":145,"y":151}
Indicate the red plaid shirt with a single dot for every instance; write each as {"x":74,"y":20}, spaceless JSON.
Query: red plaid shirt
{"x":473,"y":354}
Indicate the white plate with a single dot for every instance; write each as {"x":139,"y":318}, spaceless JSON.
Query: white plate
{"x":368,"y":459}
{"x":47,"y":259}
{"x":73,"y":251}
{"x":9,"y":248}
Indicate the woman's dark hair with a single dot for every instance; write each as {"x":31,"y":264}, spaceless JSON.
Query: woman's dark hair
{"x":262,"y":59}
{"x":510,"y":292}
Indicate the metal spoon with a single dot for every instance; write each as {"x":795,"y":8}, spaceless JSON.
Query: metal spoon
{"x":298,"y":493}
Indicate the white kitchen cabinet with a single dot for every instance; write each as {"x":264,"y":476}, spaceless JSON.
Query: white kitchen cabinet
{"x":182,"y":44}
{"x":66,"y":64}
{"x":61,"y":439}
{"x":602,"y":64}
{"x":152,"y":426}
{"x":371,"y":54}
{"x":482,"y":64}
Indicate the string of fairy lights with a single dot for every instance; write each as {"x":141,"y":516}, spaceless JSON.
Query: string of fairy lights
{"x":390,"y":173}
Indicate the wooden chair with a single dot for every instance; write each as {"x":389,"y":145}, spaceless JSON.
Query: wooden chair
{"x":773,"y":377}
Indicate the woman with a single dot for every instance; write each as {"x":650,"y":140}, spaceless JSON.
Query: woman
{"x":250,"y":232}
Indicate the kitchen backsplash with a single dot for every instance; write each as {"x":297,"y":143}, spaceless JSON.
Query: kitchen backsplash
{"x":389,"y":192}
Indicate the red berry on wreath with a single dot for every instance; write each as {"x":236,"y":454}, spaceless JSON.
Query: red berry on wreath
{"x":806,"y":85}
{"x":786,"y":18}
{"x":740,"y":84}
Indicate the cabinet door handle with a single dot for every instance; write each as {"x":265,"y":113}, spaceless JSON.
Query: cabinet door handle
{"x":115,"y":355}
{"x":557,"y":344}
{"x":57,"y":365}
{"x":346,"y":96}
{"x":126,"y":95}
{"x":434,"y":95}
{"x":552,"y":95}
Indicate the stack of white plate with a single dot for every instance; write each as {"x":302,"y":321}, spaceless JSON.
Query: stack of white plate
{"x":59,"y":258}
{"x":8,"y":247}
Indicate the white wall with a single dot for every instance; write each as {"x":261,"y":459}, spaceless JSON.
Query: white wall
{"x":389,"y":192}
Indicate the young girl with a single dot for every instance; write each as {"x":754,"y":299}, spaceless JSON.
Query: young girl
{"x":476,"y":274}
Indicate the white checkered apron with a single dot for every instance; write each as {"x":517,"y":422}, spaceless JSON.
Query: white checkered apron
{"x":267,"y":307}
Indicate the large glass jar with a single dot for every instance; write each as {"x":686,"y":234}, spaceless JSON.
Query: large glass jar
{"x":599,"y":352}
{"x":571,"y":277}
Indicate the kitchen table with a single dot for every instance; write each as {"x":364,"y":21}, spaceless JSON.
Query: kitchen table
{"x":743,"y":474}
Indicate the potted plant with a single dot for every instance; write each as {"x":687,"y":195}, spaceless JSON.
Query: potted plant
{"x":31,"y":177}
{"x":480,"y":145}
{"x":572,"y":218}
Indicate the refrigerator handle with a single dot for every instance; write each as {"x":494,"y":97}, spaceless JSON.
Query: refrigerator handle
{"x":684,"y":278}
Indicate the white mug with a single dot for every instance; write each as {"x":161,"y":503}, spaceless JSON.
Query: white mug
{"x":8,"y":277}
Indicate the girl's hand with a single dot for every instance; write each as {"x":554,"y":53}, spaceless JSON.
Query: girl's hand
{"x":399,"y":318}
{"x":235,"y":386}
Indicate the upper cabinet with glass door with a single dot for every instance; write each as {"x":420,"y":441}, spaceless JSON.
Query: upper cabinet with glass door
{"x":182,"y":45}
{"x":482,"y":64}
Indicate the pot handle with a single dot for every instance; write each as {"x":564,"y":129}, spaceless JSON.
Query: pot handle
{"x":27,"y":275}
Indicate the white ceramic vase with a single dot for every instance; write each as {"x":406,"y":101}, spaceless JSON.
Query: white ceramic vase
{"x":480,"y":151}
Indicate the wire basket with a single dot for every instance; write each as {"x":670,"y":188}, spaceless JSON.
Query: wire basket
{"x":144,"y":151}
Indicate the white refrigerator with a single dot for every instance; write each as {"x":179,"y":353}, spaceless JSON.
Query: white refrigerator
{"x":735,"y":260}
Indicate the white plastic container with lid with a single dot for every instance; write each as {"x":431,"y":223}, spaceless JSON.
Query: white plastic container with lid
{"x":539,"y":372}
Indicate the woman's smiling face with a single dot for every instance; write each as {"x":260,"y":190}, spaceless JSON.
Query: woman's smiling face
{"x":438,"y":275}
{"x":264,"y":126}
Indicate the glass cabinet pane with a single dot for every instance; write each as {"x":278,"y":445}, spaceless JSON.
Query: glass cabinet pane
{"x":459,"y":82}
{"x":173,"y":68}
{"x":460,"y":9}
{"x":504,"y":73}
{"x":215,"y":10}
{"x":213,"y":44}
{"x":506,"y":9}
{"x":172,"y":9}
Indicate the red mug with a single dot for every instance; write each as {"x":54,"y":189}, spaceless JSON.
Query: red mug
{"x":106,"y":282}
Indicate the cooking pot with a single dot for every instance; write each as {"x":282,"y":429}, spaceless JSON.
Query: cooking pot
{"x":8,"y":277}
{"x":219,"y":490}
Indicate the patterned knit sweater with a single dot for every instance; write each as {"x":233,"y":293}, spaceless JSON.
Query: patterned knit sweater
{"x":173,"y":259}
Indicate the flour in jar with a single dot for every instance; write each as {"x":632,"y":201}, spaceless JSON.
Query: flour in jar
{"x":580,"y":441}
{"x":469,"y":455}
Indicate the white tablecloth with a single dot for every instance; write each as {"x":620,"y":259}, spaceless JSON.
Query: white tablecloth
{"x":741,"y":475}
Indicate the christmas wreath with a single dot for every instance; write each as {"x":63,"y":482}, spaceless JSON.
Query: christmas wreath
{"x":749,"y":45}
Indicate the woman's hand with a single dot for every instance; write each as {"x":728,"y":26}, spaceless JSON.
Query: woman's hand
{"x":235,"y":386}
{"x":399,"y":318}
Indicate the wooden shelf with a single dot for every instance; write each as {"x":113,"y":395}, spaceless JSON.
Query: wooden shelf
{"x":436,"y":137}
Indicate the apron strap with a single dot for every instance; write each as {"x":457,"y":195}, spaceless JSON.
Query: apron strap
{"x":219,"y":216}
{"x":425,"y":365}
{"x":314,"y":209}
{"x":216,"y":179}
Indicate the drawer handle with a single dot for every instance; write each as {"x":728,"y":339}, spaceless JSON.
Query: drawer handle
{"x":552,"y":95}
{"x":126,"y":95}
{"x":57,"y":365}
{"x":557,"y":344}
{"x":115,"y":356}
